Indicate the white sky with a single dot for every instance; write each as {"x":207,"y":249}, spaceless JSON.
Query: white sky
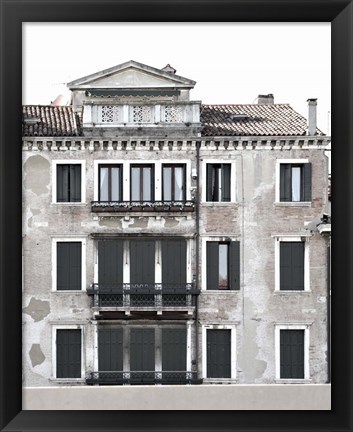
{"x":231,"y":62}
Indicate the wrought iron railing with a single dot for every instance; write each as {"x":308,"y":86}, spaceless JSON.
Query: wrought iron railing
{"x":143,"y":206}
{"x":143,"y":295}
{"x":143,"y":377}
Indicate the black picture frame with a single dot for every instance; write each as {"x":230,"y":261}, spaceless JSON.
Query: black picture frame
{"x":13,"y":13}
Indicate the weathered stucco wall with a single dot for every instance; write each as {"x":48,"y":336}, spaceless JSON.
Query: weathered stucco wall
{"x":253,"y":219}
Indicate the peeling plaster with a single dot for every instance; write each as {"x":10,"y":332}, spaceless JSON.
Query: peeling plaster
{"x":140,"y":223}
{"x":171,"y":223}
{"x":37,"y":171}
{"x":36,"y":355}
{"x":111,"y":223}
{"x":37,"y":309}
{"x":251,"y":347}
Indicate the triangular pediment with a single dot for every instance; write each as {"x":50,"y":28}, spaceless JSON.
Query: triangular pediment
{"x":131,"y":75}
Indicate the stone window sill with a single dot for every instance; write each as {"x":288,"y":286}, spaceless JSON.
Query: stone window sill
{"x":292,"y":204}
{"x":284,"y":292}
{"x":293,"y":381}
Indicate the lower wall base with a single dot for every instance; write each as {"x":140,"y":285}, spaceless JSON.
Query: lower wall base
{"x":203,"y":397}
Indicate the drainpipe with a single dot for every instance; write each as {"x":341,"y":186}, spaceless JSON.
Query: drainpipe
{"x":328,"y":310}
{"x":197,"y":211}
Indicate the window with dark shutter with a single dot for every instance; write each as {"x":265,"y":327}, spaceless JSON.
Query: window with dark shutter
{"x":68,"y":353}
{"x":69,"y":266}
{"x":218,"y":182}
{"x":292,"y":266}
{"x":68,"y":183}
{"x":223,"y":265}
{"x":110,"y":272}
{"x":142,"y":349}
{"x":295,"y":182}
{"x":173,"y":349}
{"x":292,"y":354}
{"x":110,"y":349}
{"x":218,"y":353}
{"x":142,"y":271}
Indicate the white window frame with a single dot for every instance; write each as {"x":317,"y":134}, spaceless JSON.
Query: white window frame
{"x":233,"y":350}
{"x":293,"y":238}
{"x":83,"y":359}
{"x":158,"y":175}
{"x":204,"y":241}
{"x":278,"y":182}
{"x":68,"y":238}
{"x":304,"y":327}
{"x":233,"y":195}
{"x":55,"y":163}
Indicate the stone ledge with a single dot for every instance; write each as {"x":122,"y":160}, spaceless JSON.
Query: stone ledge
{"x":180,"y":397}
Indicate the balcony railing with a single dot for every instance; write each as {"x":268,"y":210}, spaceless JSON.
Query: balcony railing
{"x":143,"y":295}
{"x":143,"y":377}
{"x":143,"y":206}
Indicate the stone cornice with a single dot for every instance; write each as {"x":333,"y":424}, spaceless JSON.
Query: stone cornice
{"x":223,"y":143}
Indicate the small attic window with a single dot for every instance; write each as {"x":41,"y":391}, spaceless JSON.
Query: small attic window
{"x":238,"y":117}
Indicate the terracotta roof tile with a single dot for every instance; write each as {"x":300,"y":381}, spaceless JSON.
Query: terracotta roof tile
{"x":217,"y":120}
{"x":48,"y":120}
{"x":252,"y":120}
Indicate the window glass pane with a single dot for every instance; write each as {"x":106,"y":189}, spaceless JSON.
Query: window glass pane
{"x":167,"y":183}
{"x":103,"y":193}
{"x":115,"y":173}
{"x":179,"y":187}
{"x":135,"y":184}
{"x":296,"y":183}
{"x":147,"y":184}
{"x":223,"y":266}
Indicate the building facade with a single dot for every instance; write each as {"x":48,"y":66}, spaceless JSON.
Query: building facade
{"x":170,"y":242}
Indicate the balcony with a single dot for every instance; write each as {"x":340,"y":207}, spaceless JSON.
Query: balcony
{"x":142,"y":206}
{"x":143,"y":378}
{"x":150,"y":296}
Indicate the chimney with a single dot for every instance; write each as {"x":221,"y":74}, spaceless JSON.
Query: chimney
{"x":312,"y":103}
{"x":265,"y":99}
{"x":169,"y":69}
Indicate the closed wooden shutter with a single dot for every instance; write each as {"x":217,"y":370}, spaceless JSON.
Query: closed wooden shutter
{"x":292,"y":354}
{"x":210,"y":182}
{"x":234,"y":265}
{"x":142,"y":261}
{"x":75,"y":183}
{"x":212,"y":265}
{"x":142,"y":349}
{"x":226,"y":169}
{"x":218,"y":353}
{"x":174,"y":349}
{"x":110,"y":262}
{"x":62,"y":183}
{"x":69,"y":265}
{"x":110,"y":349}
{"x":307,"y":182}
{"x":68,"y":353}
{"x":292,"y":265}
{"x":285,"y":183}
{"x":174,"y":262}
